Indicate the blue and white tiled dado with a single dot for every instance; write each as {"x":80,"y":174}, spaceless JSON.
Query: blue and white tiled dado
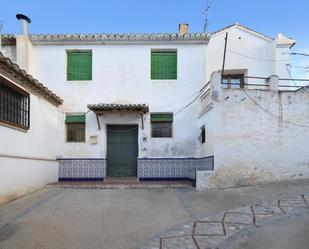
{"x":185,"y":168}
{"x":79,"y":169}
{"x":82,"y":169}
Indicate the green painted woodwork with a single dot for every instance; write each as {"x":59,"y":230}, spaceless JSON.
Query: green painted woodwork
{"x":161,"y":117}
{"x":122,"y":150}
{"x":164,"y":65}
{"x":74,"y":119}
{"x":79,"y":65}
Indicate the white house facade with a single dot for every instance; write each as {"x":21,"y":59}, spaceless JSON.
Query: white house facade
{"x":28,"y":147}
{"x":138,"y":105}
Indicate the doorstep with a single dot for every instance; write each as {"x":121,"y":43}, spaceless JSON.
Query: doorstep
{"x":122,"y":183}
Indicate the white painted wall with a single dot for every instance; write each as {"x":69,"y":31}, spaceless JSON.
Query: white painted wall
{"x":121,"y":74}
{"x":258,"y":143}
{"x":40,"y":142}
{"x":247,"y":50}
{"x":9,"y":51}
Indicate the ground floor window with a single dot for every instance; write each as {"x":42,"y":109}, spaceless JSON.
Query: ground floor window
{"x":14,"y":105}
{"x":161,"y":124}
{"x":75,"y":127}
{"x":203,"y":134}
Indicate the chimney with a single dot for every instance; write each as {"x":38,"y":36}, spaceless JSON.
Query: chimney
{"x":24,"y":21}
{"x":183,"y":28}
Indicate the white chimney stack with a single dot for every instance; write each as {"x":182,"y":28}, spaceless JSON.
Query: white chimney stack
{"x":24,"y":21}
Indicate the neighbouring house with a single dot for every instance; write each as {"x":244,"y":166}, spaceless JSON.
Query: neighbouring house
{"x":139,"y":104}
{"x":29,"y":129}
{"x":255,"y":135}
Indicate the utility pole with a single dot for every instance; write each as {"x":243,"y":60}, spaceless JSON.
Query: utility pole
{"x":1,"y":27}
{"x":224,"y":54}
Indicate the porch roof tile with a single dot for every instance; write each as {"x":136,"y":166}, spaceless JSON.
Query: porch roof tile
{"x":103,"y":107}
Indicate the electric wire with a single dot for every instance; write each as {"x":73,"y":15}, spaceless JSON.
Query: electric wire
{"x":273,"y":114}
{"x":261,"y":59}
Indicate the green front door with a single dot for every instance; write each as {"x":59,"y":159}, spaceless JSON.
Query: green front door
{"x":122,"y":150}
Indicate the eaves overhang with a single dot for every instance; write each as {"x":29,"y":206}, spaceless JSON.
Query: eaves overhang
{"x":195,"y":38}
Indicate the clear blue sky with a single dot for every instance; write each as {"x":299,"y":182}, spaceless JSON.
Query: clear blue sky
{"x":122,"y":16}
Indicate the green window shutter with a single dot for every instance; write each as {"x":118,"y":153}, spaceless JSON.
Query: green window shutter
{"x":79,"y":65}
{"x":73,"y":119}
{"x":164,"y":65}
{"x":161,"y":117}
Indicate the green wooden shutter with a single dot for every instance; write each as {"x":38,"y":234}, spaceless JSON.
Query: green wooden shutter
{"x":79,"y":65}
{"x":161,"y":117}
{"x":73,"y":119}
{"x":164,"y":65}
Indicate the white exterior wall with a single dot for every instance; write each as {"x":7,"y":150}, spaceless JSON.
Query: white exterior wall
{"x":9,"y":51}
{"x":258,"y":54}
{"x":258,"y":143}
{"x":121,"y":74}
{"x":27,"y":158}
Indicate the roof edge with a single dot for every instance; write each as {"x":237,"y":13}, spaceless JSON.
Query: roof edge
{"x":111,"y":38}
{"x":246,"y":28}
{"x":20,"y":74}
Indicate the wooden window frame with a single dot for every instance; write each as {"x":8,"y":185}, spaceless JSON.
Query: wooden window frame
{"x":15,"y":95}
{"x":67,"y":63}
{"x":83,"y":139}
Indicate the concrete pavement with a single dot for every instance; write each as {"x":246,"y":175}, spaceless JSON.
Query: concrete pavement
{"x":118,"y":219}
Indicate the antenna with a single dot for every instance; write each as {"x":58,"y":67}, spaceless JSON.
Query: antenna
{"x":205,"y":13}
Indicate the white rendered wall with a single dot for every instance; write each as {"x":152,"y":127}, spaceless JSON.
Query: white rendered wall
{"x":9,"y":51}
{"x":39,"y":145}
{"x":121,"y":74}
{"x":246,"y":50}
{"x":256,"y":143}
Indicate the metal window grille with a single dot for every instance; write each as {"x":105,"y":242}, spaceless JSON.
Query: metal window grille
{"x":14,"y":105}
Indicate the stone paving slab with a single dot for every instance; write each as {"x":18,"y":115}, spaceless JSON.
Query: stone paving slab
{"x":212,"y":231}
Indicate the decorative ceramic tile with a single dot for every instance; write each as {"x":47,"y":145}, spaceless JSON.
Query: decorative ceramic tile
{"x":82,"y":168}
{"x":173,"y":167}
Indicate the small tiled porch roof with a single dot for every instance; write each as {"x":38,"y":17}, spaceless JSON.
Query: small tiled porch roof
{"x":100,"y":108}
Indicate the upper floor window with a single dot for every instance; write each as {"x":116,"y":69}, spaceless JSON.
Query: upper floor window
{"x":14,"y":105}
{"x":164,"y":65}
{"x":161,"y":124}
{"x":79,"y":65}
{"x":76,"y":128}
{"x":233,"y":81}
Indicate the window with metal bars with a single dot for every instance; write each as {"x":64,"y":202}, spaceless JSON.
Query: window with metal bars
{"x":79,"y":65}
{"x":14,"y":105}
{"x":163,"y":65}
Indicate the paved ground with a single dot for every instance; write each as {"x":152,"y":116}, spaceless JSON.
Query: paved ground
{"x":289,"y":232}
{"x":124,"y":219}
